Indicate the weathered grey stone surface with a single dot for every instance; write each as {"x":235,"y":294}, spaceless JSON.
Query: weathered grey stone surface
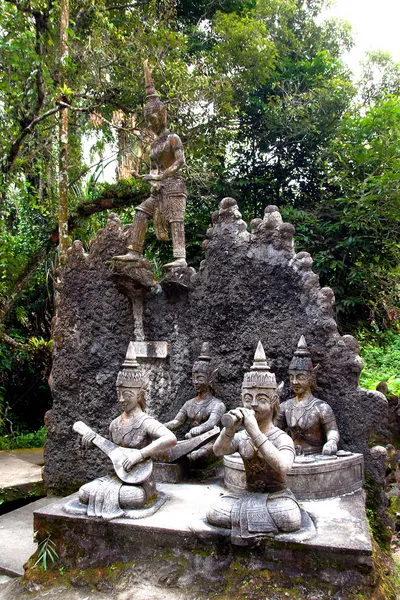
{"x":309,"y":478}
{"x":250,"y":286}
{"x":84,"y":543}
{"x":16,"y":534}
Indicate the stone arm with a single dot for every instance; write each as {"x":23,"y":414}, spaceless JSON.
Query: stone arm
{"x":179,"y":420}
{"x":280,"y":420}
{"x":332,"y":437}
{"x":176,"y":147}
{"x":212,"y":421}
{"x":225,"y":443}
{"x":164,"y":439}
{"x":280,"y":460}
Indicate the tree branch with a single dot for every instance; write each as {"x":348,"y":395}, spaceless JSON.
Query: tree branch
{"x":9,"y":340}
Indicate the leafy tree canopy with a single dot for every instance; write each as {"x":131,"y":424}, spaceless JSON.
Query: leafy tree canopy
{"x":268,"y":114}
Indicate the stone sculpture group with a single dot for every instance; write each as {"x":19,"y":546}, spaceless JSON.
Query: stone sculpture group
{"x":255,"y":463}
{"x":266,"y":506}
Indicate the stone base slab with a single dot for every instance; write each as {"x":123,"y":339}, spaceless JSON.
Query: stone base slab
{"x":342,"y":542}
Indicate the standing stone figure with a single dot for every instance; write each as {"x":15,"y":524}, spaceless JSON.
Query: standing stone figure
{"x":167,"y":202}
{"x":204,"y":411}
{"x":135,"y":438}
{"x":311,"y":421}
{"x":268,"y":454}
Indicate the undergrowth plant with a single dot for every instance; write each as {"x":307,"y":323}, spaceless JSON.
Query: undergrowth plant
{"x":35,"y":439}
{"x":381,"y":361}
{"x":47,"y":553}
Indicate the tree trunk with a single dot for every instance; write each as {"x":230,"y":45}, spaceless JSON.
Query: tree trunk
{"x":63,"y":138}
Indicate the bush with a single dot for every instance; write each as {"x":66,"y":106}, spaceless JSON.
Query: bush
{"x":382,"y":361}
{"x":35,"y":439}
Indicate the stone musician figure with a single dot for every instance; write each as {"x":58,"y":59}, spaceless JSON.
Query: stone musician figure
{"x":167,"y":202}
{"x":311,"y":421}
{"x":204,"y":411}
{"x":267,"y":507}
{"x":135,"y":438}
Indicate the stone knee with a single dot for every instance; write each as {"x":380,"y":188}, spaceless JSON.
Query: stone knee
{"x":84,"y":493}
{"x":131,"y":497}
{"x":285,"y":512}
{"x":219,"y":514}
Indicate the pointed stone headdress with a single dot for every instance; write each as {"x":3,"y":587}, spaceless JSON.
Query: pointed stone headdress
{"x":203,"y":362}
{"x":260,"y":375}
{"x":131,"y":375}
{"x":301,"y":360}
{"x":153,"y":102}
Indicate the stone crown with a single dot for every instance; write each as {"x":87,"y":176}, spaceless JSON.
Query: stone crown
{"x":131,"y":375}
{"x":259,"y":374}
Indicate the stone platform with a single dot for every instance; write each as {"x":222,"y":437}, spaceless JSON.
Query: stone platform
{"x":21,"y":474}
{"x":340,"y":549}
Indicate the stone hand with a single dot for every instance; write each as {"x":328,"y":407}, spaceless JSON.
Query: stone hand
{"x":250,"y":422}
{"x":87,"y":439}
{"x":330,"y":447}
{"x":193,"y":433}
{"x":135,"y":458}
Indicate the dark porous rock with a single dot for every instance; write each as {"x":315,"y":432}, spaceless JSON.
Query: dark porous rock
{"x":130,"y":277}
{"x":91,"y":331}
{"x":250,"y":287}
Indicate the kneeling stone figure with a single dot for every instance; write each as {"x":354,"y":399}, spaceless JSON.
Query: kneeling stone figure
{"x":268,"y":453}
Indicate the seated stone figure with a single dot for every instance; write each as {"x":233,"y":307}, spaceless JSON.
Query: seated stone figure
{"x":204,"y":411}
{"x":267,"y":507}
{"x":109,"y":497}
{"x":311,"y":421}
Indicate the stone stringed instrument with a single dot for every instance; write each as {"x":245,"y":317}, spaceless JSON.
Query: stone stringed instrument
{"x":117,"y":455}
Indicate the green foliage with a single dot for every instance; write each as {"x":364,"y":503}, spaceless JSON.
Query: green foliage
{"x":267,"y":112}
{"x":46,"y":553}
{"x":35,"y":439}
{"x":24,"y":391}
{"x":381,"y":361}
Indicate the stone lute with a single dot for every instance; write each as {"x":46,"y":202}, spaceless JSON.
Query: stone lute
{"x":117,"y":455}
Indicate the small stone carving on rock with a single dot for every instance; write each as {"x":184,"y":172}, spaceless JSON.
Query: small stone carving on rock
{"x":311,"y":421}
{"x":267,"y":507}
{"x":203,"y":412}
{"x":167,"y":202}
{"x":135,"y":438}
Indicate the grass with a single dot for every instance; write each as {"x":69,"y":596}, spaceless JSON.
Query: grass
{"x":382,"y":361}
{"x":35,"y":439}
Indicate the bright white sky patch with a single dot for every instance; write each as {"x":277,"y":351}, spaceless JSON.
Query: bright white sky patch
{"x":376,"y":25}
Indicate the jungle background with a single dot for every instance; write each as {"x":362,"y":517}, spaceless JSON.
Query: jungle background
{"x":268,"y":113}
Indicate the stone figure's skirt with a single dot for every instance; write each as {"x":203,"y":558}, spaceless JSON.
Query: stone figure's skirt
{"x":103,"y":497}
{"x":250,"y":515}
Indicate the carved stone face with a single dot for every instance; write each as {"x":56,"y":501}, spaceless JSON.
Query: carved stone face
{"x":156,"y":121}
{"x":201,"y":381}
{"x":128,"y":398}
{"x":260,"y":401}
{"x":300,"y":381}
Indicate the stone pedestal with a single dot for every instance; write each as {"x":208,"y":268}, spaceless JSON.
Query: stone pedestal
{"x":180,"y":526}
{"x":311,"y":477}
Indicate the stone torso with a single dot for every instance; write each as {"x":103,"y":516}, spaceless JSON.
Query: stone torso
{"x":199,"y":412}
{"x":260,"y":477}
{"x":306,"y":421}
{"x":135,"y":433}
{"x":163,"y":149}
